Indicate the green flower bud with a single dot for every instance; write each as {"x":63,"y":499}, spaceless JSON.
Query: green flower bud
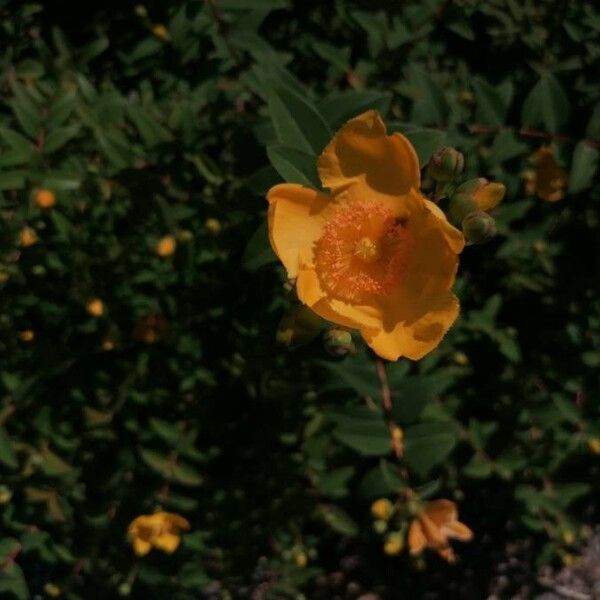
{"x":478,"y":227}
{"x":380,"y":526}
{"x":338,"y":342}
{"x":446,"y":164}
{"x":298,"y":326}
{"x":461,"y":205}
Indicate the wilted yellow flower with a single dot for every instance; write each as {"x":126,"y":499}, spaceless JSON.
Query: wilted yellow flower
{"x":382,"y":509}
{"x":150,"y":329}
{"x":434,"y":526}
{"x":548,"y":180}
{"x":373,"y":254}
{"x":28,"y":237}
{"x":166,"y":246}
{"x":213,"y":226}
{"x":27,"y":335}
{"x":95,"y":307}
{"x":160,"y":31}
{"x":160,"y":530}
{"x":44,"y":198}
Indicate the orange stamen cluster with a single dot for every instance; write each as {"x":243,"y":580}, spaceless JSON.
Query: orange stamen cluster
{"x":363,"y":252}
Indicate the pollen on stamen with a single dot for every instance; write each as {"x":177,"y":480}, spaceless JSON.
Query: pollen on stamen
{"x":363,"y":252}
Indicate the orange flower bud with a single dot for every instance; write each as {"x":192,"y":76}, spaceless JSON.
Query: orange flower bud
{"x":166,"y":246}
{"x":27,"y":335}
{"x":213,"y":226}
{"x":160,"y":31}
{"x":95,"y":307}
{"x":394,"y":543}
{"x":44,"y":198}
{"x":28,"y":237}
{"x":382,"y":509}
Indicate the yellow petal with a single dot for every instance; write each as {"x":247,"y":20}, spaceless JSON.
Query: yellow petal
{"x":355,"y":316}
{"x":453,"y":236}
{"x":416,"y":537}
{"x":413,"y":327}
{"x":141,"y":547}
{"x":459,"y":531}
{"x":296,"y":216}
{"x":441,"y":512}
{"x":167,"y":542}
{"x":178,"y":522}
{"x":362,"y":156}
{"x":489,"y":195}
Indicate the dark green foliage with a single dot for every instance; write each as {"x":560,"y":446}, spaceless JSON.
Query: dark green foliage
{"x":177,"y":395}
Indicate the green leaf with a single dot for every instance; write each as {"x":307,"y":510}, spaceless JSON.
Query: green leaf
{"x":57,"y":138}
{"x":478,"y":467}
{"x":12,"y":582}
{"x":12,"y":180}
{"x":26,"y":110}
{"x":428,"y":444}
{"x":547,"y":105}
{"x":343,"y":106}
{"x":258,"y":252}
{"x":7,"y":454}
{"x":426,"y":141}
{"x":293,"y":165}
{"x":171,"y":468}
{"x":583,"y":167}
{"x":297,"y":122}
{"x":150,"y":130}
{"x":339,"y":520}
{"x":355,"y":372}
{"x":490,"y":108}
{"x":362,"y":429}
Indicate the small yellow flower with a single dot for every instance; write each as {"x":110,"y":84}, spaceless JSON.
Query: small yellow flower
{"x":160,"y":31}
{"x":382,"y":509}
{"x":4,"y":277}
{"x":460,"y":358}
{"x":5,"y":494}
{"x":95,"y":307}
{"x":166,"y":246}
{"x":160,"y":530}
{"x":394,"y":543}
{"x":213,"y":226}
{"x":372,"y":253}
{"x":594,"y":445}
{"x":27,"y":335}
{"x":568,"y":537}
{"x":28,"y":237}
{"x":548,"y":180}
{"x":44,"y":198}
{"x":434,"y":526}
{"x":568,"y":559}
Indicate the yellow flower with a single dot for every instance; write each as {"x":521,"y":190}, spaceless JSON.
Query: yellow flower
{"x":160,"y":31}
{"x":160,"y":530}
{"x":372,"y":254}
{"x":382,"y":509}
{"x":549,"y":180}
{"x":166,"y":246}
{"x":434,"y":526}
{"x":27,"y":237}
{"x":108,"y":344}
{"x":52,"y":590}
{"x":27,"y":335}
{"x":300,"y":559}
{"x":44,"y":198}
{"x":95,"y":307}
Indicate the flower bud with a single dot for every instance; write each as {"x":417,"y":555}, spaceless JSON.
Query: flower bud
{"x":298,"y":326}
{"x":478,"y":227}
{"x":166,"y":246}
{"x":338,"y":342}
{"x":488,"y":194}
{"x":446,"y":164}
{"x":95,"y":307}
{"x":394,"y":543}
{"x":213,"y":226}
{"x":461,"y":205}
{"x":382,"y":509}
{"x":44,"y":198}
{"x":380,"y":526}
{"x":27,"y":237}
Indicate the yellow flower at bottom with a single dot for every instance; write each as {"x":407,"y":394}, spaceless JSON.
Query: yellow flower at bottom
{"x":434,"y":526}
{"x":160,"y":530}
{"x":382,"y":509}
{"x":373,"y":254}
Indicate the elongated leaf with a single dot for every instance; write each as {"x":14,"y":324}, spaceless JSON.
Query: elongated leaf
{"x":294,"y":165}
{"x":428,"y":444}
{"x":546,"y":105}
{"x":583,"y":168}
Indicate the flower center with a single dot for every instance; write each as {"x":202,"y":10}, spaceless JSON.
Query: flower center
{"x":367,"y":249}
{"x":363,"y":252}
